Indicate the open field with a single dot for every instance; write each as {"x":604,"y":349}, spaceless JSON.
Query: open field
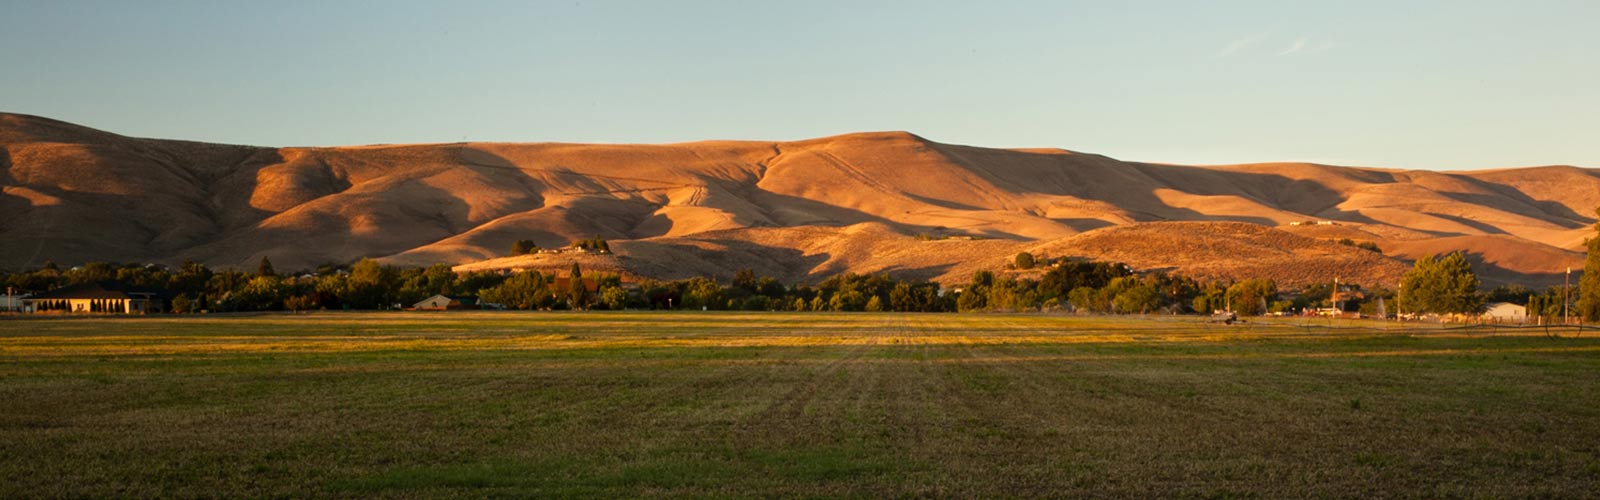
{"x":761,"y":404}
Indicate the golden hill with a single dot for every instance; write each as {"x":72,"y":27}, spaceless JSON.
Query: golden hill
{"x":800,"y":210}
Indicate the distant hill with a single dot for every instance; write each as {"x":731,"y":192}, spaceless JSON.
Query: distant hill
{"x":800,"y":210}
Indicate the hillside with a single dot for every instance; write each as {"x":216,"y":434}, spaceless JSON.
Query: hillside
{"x":800,"y":210}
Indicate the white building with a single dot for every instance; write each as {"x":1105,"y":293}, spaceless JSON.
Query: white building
{"x":1505,"y":312}
{"x":14,"y":303}
{"x":445,"y":302}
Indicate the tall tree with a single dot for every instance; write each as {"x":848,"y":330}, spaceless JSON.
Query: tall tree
{"x":1251,"y":297}
{"x":579,"y":292}
{"x":265,"y":268}
{"x":1443,"y":285}
{"x":1589,"y":284}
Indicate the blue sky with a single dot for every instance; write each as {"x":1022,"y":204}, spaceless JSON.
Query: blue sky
{"x":1441,"y":84}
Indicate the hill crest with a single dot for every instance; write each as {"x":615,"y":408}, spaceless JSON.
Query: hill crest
{"x":76,"y":194}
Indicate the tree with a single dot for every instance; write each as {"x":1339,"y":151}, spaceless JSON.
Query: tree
{"x":1086,"y":299}
{"x":746,"y":279}
{"x":1589,"y":284}
{"x":577,"y":291}
{"x":1441,"y":285}
{"x":974,"y":298}
{"x":261,"y":293}
{"x":613,"y":298}
{"x":369,"y":286}
{"x":523,"y":247}
{"x":524,"y":290}
{"x":1140,"y":298}
{"x":182,"y":304}
{"x":1251,"y":297}
{"x":91,"y":272}
{"x":874,"y":304}
{"x":1024,"y":260}
{"x":264,"y":268}
{"x":702,"y":293}
{"x":300,"y":303}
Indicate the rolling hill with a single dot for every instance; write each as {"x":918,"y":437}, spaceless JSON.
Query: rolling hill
{"x":802,"y":210}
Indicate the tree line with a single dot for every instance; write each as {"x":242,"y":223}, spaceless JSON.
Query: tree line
{"x":1443,"y":284}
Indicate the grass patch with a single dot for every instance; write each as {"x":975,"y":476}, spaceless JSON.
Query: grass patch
{"x":788,"y":405}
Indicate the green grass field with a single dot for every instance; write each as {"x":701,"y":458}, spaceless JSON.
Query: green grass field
{"x":787,"y":405}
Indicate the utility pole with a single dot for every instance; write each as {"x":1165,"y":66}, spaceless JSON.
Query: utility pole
{"x":1400,"y":302}
{"x":1334,"y":297}
{"x":1566,"y":296}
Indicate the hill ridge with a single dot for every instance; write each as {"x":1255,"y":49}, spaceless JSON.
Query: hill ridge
{"x":76,"y":193}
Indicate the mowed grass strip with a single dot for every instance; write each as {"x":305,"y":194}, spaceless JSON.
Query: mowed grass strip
{"x":763,"y":404}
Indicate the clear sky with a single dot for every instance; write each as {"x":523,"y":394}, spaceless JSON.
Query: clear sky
{"x":1449,"y":84}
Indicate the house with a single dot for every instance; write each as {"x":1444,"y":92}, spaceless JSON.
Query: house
{"x":446,"y":303}
{"x":101,"y":297}
{"x":1505,"y":312}
{"x":13,"y":303}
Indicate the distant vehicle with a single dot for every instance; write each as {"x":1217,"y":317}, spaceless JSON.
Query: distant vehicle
{"x":1225,"y":317}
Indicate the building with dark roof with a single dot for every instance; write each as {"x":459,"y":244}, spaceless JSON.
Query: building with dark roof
{"x":101,"y":297}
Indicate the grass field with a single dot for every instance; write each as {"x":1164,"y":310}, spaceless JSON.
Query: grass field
{"x":766,"y":404}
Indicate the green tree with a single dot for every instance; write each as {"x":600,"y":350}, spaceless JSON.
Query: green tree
{"x":702,"y":293}
{"x":264,"y":268}
{"x":974,"y":298}
{"x":523,"y":247}
{"x":91,"y":272}
{"x":902,"y":298}
{"x":370,"y":285}
{"x":1442,"y":285}
{"x":746,"y":279}
{"x":1087,"y":299}
{"x":1589,"y":284}
{"x":1024,"y":260}
{"x":613,"y":298}
{"x":524,"y":290}
{"x":261,"y":293}
{"x":849,"y":300}
{"x":182,"y":304}
{"x":1140,"y":298}
{"x":299,"y":303}
{"x":578,"y":296}
{"x":1251,"y":297}
{"x":982,"y":278}
{"x":874,"y":304}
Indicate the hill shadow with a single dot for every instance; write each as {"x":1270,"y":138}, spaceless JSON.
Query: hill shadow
{"x":682,"y":260}
{"x":1487,"y":229}
{"x":1548,"y":211}
{"x":1083,"y":225}
{"x":924,"y":273}
{"x":837,"y":216}
{"x":1107,"y":180}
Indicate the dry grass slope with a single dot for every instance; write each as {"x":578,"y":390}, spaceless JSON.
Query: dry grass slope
{"x":793,"y":209}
